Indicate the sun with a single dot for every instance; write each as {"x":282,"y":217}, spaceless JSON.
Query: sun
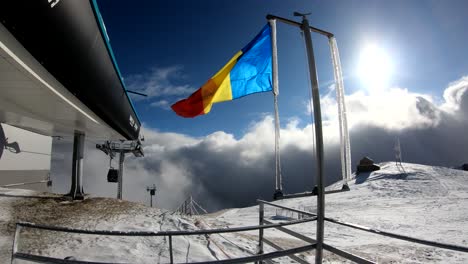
{"x":374,"y":68}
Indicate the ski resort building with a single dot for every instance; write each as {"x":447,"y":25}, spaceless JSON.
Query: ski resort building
{"x":59,"y":78}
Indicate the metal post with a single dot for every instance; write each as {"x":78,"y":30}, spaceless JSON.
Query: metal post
{"x":261,"y":213}
{"x":398,"y":152}
{"x":191,"y":206}
{"x":171,"y":257}
{"x":76,"y":190}
{"x":120,"y":178}
{"x":318,"y":138}
{"x":274,"y":49}
{"x":151,"y":191}
{"x":15,"y":242}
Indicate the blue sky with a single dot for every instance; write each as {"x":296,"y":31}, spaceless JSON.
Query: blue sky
{"x":175,"y":46}
{"x":168,"y":49}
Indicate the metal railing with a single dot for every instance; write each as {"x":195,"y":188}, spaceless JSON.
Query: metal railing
{"x":302,"y":237}
{"x":344,"y":188}
{"x":260,"y":257}
{"x":170,"y":234}
{"x":348,"y":255}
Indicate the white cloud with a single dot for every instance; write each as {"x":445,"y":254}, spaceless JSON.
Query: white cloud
{"x":222,"y":171}
{"x":454,"y":93}
{"x":393,"y":109}
{"x":160,"y":84}
{"x":161,"y":103}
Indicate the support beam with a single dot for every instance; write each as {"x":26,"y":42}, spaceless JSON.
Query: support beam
{"x":344,"y":188}
{"x":294,"y":23}
{"x":76,"y":190}
{"x":120,"y":178}
{"x":122,"y":147}
{"x":274,"y":61}
{"x":318,"y":138}
{"x":294,"y":257}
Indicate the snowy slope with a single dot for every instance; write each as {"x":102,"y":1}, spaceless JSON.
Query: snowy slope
{"x":98,"y":214}
{"x":421,"y":201}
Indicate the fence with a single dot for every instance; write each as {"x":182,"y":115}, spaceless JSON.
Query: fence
{"x":258,"y":258}
{"x":348,"y":255}
{"x":300,"y":213}
{"x":170,"y":234}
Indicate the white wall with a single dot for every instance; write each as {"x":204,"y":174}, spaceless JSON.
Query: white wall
{"x":29,"y":142}
{"x":31,"y":164}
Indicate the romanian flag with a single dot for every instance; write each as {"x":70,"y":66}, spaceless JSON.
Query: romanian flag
{"x":248,"y":72}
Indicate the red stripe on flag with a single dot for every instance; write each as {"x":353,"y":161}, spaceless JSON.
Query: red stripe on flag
{"x":190,"y":107}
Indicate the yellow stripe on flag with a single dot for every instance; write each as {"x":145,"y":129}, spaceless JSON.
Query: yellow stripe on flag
{"x":218,"y":88}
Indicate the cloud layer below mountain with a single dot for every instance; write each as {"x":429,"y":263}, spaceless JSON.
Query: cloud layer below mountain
{"x":222,"y":171}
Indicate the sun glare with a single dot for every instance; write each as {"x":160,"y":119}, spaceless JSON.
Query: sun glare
{"x":374,"y":68}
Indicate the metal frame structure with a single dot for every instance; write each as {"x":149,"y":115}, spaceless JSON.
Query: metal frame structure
{"x":330,"y":248}
{"x":261,"y":256}
{"x":76,"y":189}
{"x":365,"y":229}
{"x":169,"y":234}
{"x":306,"y":29}
{"x":344,"y":188}
{"x":122,"y":147}
{"x":189,"y":207}
{"x":319,"y":189}
{"x":274,"y":58}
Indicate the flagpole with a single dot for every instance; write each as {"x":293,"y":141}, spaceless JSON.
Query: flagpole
{"x":278,"y":177}
{"x":318,"y":138}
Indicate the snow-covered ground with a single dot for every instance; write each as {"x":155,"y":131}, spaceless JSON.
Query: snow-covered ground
{"x":416,"y":200}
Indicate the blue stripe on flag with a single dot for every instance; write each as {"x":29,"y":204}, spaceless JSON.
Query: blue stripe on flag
{"x":252,"y":72}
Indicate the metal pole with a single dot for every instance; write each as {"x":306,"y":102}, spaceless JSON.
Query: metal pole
{"x":76,"y":190}
{"x":15,"y":242}
{"x":120,"y":178}
{"x":318,"y":138}
{"x":151,"y":191}
{"x":261,"y":213}
{"x":191,"y":206}
{"x":274,"y":49}
{"x":171,"y":257}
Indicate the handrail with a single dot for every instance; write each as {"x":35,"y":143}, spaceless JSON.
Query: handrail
{"x":308,"y":194}
{"x":259,"y":257}
{"x":347,"y":255}
{"x":378,"y":232}
{"x":254,"y":258}
{"x":294,"y":257}
{"x":162,"y":233}
{"x":400,"y":237}
{"x":44,"y":259}
{"x":295,"y":234}
{"x":332,"y":249}
{"x":287,"y":208}
{"x":264,"y":224}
